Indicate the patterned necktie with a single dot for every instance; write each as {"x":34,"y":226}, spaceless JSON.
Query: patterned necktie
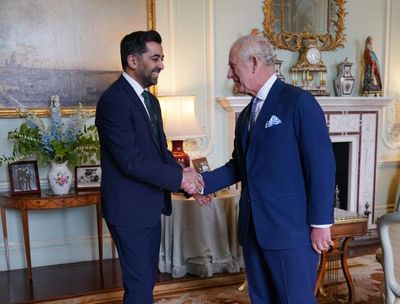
{"x":152,"y":113}
{"x":253,"y":113}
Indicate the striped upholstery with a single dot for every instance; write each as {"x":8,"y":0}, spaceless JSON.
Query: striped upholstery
{"x":394,"y":236}
{"x":389,"y":233}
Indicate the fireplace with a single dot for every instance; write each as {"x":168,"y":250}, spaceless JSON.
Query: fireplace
{"x":342,"y":157}
{"x":353,"y":124}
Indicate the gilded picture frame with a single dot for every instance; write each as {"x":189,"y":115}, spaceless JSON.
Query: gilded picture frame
{"x":68,"y":48}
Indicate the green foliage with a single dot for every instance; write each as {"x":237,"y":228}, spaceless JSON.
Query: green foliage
{"x":73,"y":142}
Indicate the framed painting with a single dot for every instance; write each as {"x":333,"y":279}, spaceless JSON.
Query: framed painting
{"x":68,"y":48}
{"x":201,"y":165}
{"x":87,"y":177}
{"x":24,"y":177}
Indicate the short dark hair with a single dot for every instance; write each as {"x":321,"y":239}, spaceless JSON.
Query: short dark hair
{"x":135,"y":44}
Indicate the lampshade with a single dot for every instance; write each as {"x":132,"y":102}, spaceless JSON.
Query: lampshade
{"x":179,"y":118}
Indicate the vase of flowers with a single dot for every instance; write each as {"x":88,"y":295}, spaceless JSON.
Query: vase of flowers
{"x":60,"y":178}
{"x":57,"y":142}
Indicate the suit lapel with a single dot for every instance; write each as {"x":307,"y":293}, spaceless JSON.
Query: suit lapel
{"x":139,"y":105}
{"x":267,"y":109}
{"x":244,"y":128}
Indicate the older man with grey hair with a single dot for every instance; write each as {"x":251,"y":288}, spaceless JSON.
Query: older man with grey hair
{"x":284,"y":159}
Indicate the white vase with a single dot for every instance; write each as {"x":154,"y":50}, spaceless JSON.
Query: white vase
{"x":60,"y":178}
{"x":344,"y":82}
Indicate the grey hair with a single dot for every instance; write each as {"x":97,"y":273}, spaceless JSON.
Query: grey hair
{"x":252,"y":45}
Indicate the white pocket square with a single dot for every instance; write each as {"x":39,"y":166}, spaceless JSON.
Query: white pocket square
{"x":273,"y":121}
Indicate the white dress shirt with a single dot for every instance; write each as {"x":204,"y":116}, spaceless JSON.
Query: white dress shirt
{"x":137,"y":87}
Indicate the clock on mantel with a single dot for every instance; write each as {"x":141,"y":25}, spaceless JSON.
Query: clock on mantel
{"x":310,"y":72}
{"x":307,"y":27}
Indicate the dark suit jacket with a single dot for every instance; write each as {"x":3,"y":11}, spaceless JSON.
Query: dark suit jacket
{"x":287,"y":170}
{"x":138,"y":172}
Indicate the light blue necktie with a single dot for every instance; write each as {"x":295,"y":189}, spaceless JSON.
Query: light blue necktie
{"x":253,"y":112}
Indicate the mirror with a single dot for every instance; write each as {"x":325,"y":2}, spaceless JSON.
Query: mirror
{"x":288,"y":22}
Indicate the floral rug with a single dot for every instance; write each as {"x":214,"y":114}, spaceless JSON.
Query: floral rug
{"x":365,"y":270}
{"x":223,"y":289}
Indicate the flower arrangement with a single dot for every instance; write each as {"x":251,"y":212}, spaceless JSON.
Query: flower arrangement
{"x":58,"y":141}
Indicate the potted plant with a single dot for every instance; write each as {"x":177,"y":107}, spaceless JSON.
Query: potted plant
{"x":57,"y":142}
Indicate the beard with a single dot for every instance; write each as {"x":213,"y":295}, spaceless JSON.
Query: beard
{"x":149,"y":78}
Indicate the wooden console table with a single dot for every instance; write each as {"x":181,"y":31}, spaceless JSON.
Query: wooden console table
{"x":347,"y":225}
{"x":45,"y":201}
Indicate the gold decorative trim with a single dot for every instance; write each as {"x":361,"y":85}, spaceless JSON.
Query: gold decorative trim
{"x":293,"y":41}
{"x":151,"y":14}
{"x":151,"y":25}
{"x":14,"y":113}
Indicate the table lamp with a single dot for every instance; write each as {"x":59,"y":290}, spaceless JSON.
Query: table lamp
{"x":180,"y":123}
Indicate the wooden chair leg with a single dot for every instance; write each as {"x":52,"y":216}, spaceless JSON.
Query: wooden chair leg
{"x":242,"y":286}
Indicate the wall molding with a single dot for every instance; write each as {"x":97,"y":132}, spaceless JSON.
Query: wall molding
{"x":388,"y":32}
{"x":388,"y":163}
{"x":56,"y":251}
{"x":199,"y":147}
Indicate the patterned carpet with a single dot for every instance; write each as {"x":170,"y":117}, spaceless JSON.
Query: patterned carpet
{"x":365,"y":270}
{"x":222,"y":289}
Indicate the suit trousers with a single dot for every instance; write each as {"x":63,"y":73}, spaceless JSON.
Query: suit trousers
{"x":138,"y":250}
{"x":279,"y":276}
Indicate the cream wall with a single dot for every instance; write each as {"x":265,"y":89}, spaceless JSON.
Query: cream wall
{"x":197,"y":35}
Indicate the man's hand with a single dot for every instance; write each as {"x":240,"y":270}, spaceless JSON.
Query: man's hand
{"x":203,"y":200}
{"x":192,"y":182}
{"x":321,"y":239}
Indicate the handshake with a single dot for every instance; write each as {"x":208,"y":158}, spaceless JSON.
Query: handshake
{"x":193,"y":184}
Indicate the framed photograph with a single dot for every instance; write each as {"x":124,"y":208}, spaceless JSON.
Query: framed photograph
{"x":24,"y":177}
{"x":201,"y":165}
{"x":87,"y":177}
{"x":38,"y":63}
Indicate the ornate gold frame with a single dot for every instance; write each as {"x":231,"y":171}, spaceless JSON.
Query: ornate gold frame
{"x":293,"y":41}
{"x":12,"y":113}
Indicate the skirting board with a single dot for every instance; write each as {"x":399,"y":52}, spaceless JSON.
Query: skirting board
{"x":53,"y":252}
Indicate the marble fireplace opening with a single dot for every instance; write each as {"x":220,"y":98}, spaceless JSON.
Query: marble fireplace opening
{"x":342,"y":157}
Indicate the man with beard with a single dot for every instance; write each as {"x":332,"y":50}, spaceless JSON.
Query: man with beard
{"x":284,"y":160}
{"x":138,"y":172}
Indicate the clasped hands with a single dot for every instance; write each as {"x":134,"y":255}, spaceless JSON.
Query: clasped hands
{"x":193,"y":184}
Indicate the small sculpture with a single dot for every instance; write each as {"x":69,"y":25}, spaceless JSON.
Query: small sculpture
{"x":337,"y":200}
{"x":372,"y":83}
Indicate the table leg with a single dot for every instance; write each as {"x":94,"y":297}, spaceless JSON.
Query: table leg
{"x":321,"y":274}
{"x":345,"y":268}
{"x":5,"y":237}
{"x":25,"y":229}
{"x":99,"y":232}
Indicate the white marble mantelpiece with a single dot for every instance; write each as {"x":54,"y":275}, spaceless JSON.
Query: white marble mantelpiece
{"x":355,"y":120}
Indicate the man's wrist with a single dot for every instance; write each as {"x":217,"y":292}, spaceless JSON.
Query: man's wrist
{"x":321,"y":226}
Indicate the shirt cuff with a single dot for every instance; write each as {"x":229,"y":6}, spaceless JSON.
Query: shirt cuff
{"x":202,"y":188}
{"x":321,"y":226}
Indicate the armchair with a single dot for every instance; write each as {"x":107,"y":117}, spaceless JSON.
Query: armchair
{"x":379,"y":254}
{"x":389,"y":233}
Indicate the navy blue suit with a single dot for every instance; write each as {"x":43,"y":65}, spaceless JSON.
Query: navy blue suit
{"x":138,"y":175}
{"x":287,"y":174}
